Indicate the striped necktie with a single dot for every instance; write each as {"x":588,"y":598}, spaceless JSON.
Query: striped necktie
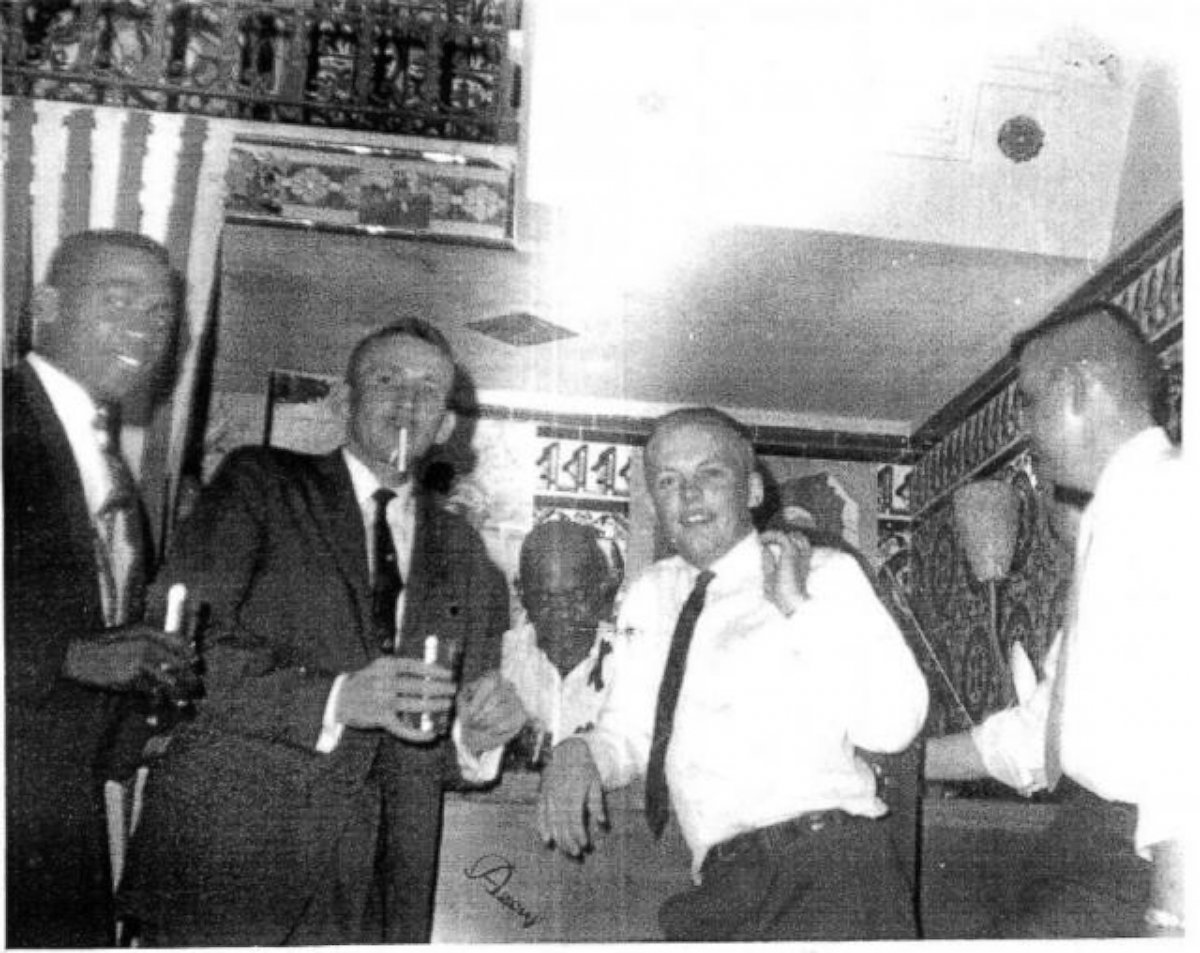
{"x":658,"y":802}
{"x":120,"y":528}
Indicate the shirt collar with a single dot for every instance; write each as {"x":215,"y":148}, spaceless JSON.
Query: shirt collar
{"x":71,"y":401}
{"x":526,"y":643}
{"x":743,"y":561}
{"x":1145,"y":447}
{"x":366,"y":483}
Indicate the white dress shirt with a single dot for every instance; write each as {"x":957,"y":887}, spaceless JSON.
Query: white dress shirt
{"x":401,"y":517}
{"x":561,"y":706}
{"x":1124,"y":725}
{"x":771,"y":707}
{"x":76,"y":411}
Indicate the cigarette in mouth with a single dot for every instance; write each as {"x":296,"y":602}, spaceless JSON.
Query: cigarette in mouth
{"x":400,"y":457}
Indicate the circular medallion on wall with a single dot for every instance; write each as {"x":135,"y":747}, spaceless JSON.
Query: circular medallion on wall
{"x":1020,"y":138}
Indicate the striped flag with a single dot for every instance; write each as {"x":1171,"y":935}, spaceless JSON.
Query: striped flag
{"x":70,"y":167}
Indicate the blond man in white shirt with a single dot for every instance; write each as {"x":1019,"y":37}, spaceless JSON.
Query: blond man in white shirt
{"x":783,"y":678}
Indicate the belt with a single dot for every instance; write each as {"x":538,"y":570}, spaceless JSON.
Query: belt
{"x":777,"y":836}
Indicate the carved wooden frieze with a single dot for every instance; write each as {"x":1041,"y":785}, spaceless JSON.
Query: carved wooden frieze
{"x":439,"y":68}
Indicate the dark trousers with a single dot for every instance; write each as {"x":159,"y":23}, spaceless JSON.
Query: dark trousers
{"x":1089,"y":881}
{"x":827,"y":876}
{"x":380,"y":887}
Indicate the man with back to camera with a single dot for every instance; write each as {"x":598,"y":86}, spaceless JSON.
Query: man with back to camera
{"x":302,"y":806}
{"x":750,"y":718}
{"x":557,"y":658}
{"x":1087,"y":383}
{"x":75,"y":555}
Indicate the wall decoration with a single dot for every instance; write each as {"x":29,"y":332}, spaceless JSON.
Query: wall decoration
{"x":894,"y":526}
{"x":441,"y":68}
{"x":374,"y":190}
{"x":588,"y":481}
{"x":954,"y":607}
{"x":1020,"y":138}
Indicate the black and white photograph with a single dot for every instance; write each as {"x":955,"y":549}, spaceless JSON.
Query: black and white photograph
{"x":595,"y":471}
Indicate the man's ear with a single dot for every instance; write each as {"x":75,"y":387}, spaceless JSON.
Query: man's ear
{"x":1083,"y":386}
{"x":44,"y":308}
{"x":756,"y":490}
{"x":447,"y":427}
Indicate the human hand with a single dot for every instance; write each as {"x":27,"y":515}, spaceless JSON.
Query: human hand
{"x":133,"y":657}
{"x":490,"y":713}
{"x":382,"y":693}
{"x":786,"y":559}
{"x":571,"y":797}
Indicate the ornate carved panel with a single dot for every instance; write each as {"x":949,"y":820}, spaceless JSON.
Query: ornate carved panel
{"x":415,"y":67}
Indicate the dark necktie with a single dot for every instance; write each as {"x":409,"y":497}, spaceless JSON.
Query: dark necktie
{"x":658,"y":803}
{"x":386,"y":583}
{"x":121,"y":548}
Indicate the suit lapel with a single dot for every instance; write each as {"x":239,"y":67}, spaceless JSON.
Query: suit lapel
{"x":430,"y":577}
{"x":44,"y":429}
{"x":340,"y":521}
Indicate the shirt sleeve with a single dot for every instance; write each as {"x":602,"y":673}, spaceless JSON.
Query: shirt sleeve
{"x":620,"y":742}
{"x":475,"y":769}
{"x":1154,"y":658}
{"x":331,"y":728}
{"x":1012,"y":743}
{"x":890,"y":701}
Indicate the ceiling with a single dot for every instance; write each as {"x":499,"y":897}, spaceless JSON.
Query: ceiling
{"x":793,"y":271}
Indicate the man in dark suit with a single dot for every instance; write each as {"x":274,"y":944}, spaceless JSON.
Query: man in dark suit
{"x":302,"y":806}
{"x":74,"y":643}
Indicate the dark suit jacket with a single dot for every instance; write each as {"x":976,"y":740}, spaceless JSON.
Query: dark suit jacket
{"x":243,"y":817}
{"x":59,"y":890}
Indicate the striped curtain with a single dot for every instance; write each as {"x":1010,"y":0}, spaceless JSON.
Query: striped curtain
{"x":70,"y":167}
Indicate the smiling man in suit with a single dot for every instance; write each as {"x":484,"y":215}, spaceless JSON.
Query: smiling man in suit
{"x":304,"y":805}
{"x":74,"y":575}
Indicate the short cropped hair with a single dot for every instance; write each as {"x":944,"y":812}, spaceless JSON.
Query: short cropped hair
{"x":78,"y":252}
{"x":548,"y":537}
{"x":409,"y":327}
{"x":707,"y":417}
{"x":1135,"y":363}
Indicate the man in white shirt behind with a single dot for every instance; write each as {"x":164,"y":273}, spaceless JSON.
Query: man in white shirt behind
{"x":557,"y":657}
{"x":782,"y":677}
